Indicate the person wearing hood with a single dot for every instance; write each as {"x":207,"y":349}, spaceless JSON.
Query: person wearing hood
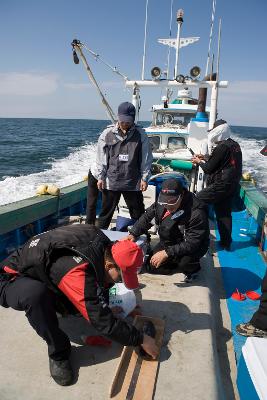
{"x":70,"y":269}
{"x":183,"y":230}
{"x":122,"y":166}
{"x":224,"y":170}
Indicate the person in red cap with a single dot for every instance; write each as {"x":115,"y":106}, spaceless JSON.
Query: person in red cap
{"x":71,"y":269}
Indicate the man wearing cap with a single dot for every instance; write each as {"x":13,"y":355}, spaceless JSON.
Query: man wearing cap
{"x":123,"y":163}
{"x":71,"y":268}
{"x":224,"y":170}
{"x":183,"y":230}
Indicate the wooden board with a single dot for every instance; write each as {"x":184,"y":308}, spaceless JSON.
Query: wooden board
{"x":135,"y":377}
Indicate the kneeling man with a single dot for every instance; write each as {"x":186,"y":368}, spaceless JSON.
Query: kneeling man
{"x":183,"y":230}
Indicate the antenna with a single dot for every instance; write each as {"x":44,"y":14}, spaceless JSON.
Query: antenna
{"x":211,"y":33}
{"x":144,"y":52}
{"x":180,"y":14}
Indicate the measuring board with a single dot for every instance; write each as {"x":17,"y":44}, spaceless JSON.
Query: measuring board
{"x":135,"y":377}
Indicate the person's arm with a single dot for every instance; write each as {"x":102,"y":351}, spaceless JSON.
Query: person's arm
{"x":147,"y":158}
{"x":215,"y":161}
{"x":144,"y":222}
{"x":79,"y":286}
{"x":100,"y":167}
{"x":195,"y":233}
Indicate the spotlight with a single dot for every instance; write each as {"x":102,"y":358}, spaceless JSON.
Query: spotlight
{"x":156,"y":72}
{"x":195,"y":72}
{"x":179,"y":78}
{"x":75,"y":57}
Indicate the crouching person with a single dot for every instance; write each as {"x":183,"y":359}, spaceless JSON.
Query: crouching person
{"x":183,"y":230}
{"x":74,"y":264}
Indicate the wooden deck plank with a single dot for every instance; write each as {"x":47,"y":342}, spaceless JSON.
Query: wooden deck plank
{"x":135,"y":377}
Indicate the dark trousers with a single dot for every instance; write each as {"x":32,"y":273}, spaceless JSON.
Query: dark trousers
{"x":220,"y":196}
{"x":224,"y":220}
{"x":186,"y":264}
{"x":110,"y":200}
{"x":92,"y":195}
{"x":38,"y":303}
{"x":259,"y":319}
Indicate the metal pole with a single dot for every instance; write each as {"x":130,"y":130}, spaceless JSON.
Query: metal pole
{"x":211,"y":33}
{"x":169,"y":47}
{"x":180,"y":20}
{"x":92,"y":78}
{"x":215,"y":89}
{"x":144,"y":51}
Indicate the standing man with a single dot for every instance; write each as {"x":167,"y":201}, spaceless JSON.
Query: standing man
{"x":183,"y":230}
{"x":123,"y":162}
{"x":71,"y":266}
{"x":224,"y":170}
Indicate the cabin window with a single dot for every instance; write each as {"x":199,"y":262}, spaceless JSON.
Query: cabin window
{"x":176,"y":142}
{"x":154,"y":142}
{"x":172,"y":118}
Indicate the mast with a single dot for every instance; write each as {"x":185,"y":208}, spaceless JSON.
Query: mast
{"x":215,"y":89}
{"x":211,"y":33}
{"x":180,"y":20}
{"x":144,"y":51}
{"x":169,"y":47}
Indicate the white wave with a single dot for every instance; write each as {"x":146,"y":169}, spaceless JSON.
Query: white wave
{"x":254,"y":162}
{"x":63,"y":172}
{"x":75,"y":166}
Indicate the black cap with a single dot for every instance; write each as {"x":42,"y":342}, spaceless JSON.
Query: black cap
{"x":126,"y":112}
{"x":217,"y":123}
{"x":170,"y":192}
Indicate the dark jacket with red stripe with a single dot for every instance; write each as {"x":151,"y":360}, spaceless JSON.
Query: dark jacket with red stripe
{"x":70,"y":260}
{"x":185,"y":232}
{"x":225,"y":163}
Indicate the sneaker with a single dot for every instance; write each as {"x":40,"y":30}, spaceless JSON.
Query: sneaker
{"x":189,"y":278}
{"x":250,"y":330}
{"x":61,"y":372}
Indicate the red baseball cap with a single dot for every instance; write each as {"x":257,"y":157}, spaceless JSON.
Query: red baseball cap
{"x":129,"y":257}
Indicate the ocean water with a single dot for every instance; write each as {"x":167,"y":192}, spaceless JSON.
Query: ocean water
{"x":60,"y":151}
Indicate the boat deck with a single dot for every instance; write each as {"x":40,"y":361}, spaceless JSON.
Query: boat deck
{"x":194,"y":361}
{"x":243,"y":268}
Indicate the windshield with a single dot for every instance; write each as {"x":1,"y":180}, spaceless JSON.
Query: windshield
{"x":176,"y":142}
{"x":154,"y":142}
{"x":171,"y":118}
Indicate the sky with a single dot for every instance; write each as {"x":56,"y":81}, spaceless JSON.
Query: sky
{"x":39,"y":79}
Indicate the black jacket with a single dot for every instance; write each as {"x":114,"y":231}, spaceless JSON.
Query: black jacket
{"x":83,"y":245}
{"x":225,"y":163}
{"x":186,"y":232}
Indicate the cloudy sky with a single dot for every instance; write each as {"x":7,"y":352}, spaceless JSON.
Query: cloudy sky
{"x":39,"y":79}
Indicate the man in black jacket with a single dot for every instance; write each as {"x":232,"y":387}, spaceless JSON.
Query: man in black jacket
{"x":183,"y":230}
{"x":224,"y":170}
{"x":71,"y":265}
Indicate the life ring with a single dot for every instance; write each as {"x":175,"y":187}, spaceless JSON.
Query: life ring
{"x":167,"y":119}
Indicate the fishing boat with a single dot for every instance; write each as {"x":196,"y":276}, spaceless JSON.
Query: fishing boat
{"x":178,"y":129}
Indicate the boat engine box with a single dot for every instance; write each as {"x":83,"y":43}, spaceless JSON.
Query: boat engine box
{"x":252,"y":370}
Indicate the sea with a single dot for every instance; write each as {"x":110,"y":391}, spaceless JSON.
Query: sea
{"x":36,"y":151}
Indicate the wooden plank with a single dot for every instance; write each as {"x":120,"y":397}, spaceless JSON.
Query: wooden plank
{"x":135,"y":377}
